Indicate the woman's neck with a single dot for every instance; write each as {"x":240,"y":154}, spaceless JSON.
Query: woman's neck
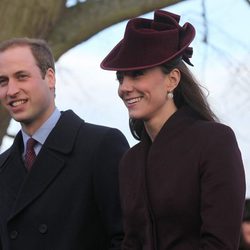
{"x":154,"y":126}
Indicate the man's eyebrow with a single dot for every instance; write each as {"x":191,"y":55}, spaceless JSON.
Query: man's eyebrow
{"x":21,"y":72}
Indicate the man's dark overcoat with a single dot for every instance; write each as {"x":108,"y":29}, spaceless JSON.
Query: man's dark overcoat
{"x":69,"y":200}
{"x":184,"y":191}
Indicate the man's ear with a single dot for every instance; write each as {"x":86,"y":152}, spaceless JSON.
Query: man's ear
{"x":50,"y":75}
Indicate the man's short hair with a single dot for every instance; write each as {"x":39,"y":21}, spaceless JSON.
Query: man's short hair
{"x":39,"y":48}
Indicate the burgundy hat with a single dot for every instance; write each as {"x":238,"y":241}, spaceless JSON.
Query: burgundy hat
{"x":148,"y":43}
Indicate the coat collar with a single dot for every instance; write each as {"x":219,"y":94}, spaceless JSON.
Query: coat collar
{"x":3,"y":158}
{"x":16,"y":148}
{"x":63,"y":136}
{"x":49,"y":162}
{"x":67,"y":126}
{"x":182,"y":118}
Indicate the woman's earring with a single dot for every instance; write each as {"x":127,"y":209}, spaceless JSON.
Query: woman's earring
{"x":170,"y":95}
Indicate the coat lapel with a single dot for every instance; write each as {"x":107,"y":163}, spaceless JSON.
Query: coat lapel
{"x":40,"y":177}
{"x":49,"y":162}
{"x":12,"y":174}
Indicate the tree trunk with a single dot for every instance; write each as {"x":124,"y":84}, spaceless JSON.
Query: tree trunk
{"x":4,"y":123}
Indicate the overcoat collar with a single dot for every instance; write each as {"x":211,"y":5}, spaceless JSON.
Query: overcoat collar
{"x":49,"y":162}
{"x":175,"y":125}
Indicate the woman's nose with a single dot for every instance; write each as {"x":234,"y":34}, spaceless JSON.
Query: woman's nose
{"x":126,"y":85}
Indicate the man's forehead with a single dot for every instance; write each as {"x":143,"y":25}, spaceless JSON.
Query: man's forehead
{"x":16,"y":46}
{"x":15,"y":66}
{"x":16,"y":55}
{"x":16,"y":59}
{"x":15,"y":52}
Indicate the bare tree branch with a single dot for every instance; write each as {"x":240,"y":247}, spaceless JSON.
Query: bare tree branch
{"x":4,"y":122}
{"x":29,"y":17}
{"x":10,"y":135}
{"x":83,"y":20}
{"x":204,"y":15}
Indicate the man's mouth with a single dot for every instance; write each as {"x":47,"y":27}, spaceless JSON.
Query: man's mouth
{"x":17,"y":103}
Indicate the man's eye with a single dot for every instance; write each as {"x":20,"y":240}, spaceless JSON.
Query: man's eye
{"x":3,"y":82}
{"x":22,"y":77}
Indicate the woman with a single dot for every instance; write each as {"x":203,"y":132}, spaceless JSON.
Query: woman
{"x":182,"y":186}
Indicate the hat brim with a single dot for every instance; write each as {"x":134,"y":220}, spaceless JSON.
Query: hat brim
{"x":116,"y":60}
{"x":148,"y":43}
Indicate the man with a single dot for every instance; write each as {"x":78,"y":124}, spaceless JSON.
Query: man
{"x":62,"y":192}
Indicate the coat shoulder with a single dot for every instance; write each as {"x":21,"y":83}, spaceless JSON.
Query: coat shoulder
{"x":99,"y":133}
{"x":94,"y":133}
{"x":3,"y":157}
{"x":212,"y":130}
{"x":86,"y":127}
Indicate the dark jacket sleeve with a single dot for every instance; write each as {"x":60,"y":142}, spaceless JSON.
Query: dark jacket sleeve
{"x":112,"y":147}
{"x":222,"y":191}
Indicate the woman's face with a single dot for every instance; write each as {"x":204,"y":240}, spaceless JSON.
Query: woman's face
{"x":144,"y":92}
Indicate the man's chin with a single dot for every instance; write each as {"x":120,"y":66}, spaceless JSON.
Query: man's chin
{"x":22,"y":120}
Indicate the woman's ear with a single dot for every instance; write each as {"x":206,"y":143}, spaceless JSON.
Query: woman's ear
{"x":174,"y":78}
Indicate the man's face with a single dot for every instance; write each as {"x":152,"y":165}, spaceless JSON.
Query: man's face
{"x":23,"y":92}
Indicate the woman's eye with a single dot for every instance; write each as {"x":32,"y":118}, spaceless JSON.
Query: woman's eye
{"x":132,"y":74}
{"x":119,"y":77}
{"x":137,"y":73}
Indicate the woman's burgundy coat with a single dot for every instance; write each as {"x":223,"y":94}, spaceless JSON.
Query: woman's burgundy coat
{"x":184,"y":191}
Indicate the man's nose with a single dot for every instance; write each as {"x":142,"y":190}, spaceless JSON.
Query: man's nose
{"x":12,"y":88}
